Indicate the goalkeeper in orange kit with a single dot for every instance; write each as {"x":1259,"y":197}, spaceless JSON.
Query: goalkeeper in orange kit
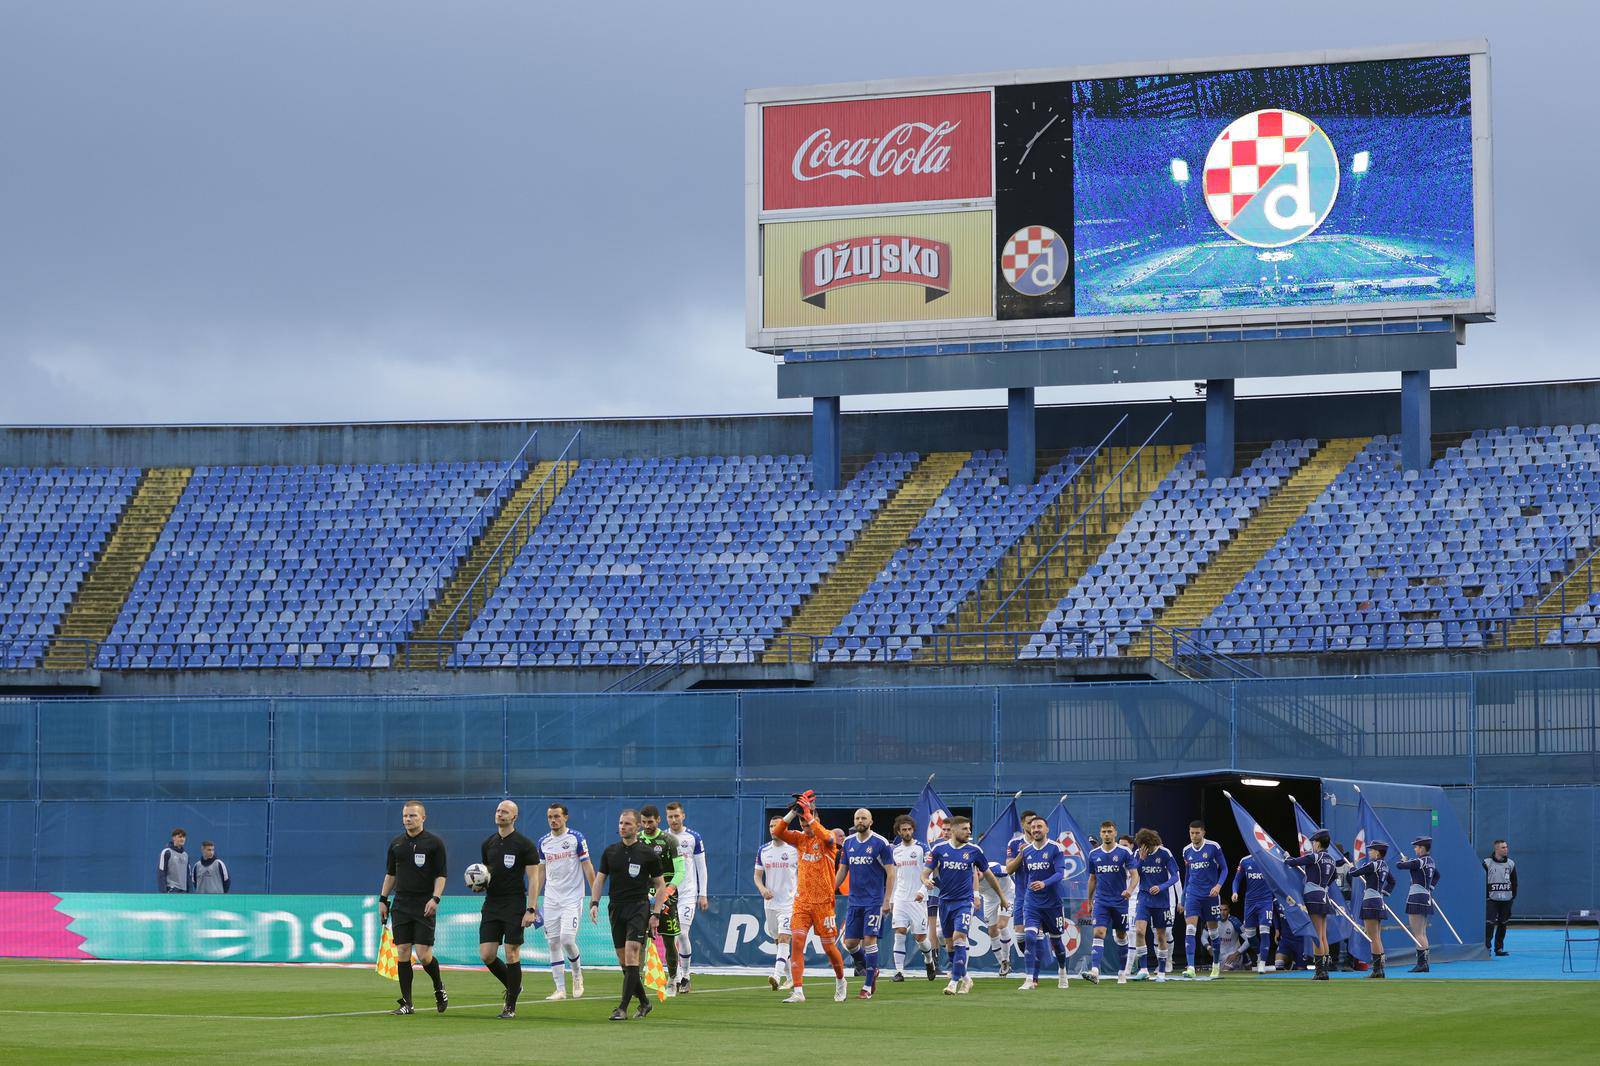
{"x":813,"y":897}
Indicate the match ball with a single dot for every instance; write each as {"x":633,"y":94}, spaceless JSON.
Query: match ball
{"x":477,"y":875}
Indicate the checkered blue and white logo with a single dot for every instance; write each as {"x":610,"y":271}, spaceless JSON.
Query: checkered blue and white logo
{"x":1035,"y":260}
{"x":1271,"y":178}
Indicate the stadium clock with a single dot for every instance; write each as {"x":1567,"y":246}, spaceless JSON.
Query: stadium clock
{"x":1033,"y":200}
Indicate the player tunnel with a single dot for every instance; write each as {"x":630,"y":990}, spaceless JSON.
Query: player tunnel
{"x":1168,"y":804}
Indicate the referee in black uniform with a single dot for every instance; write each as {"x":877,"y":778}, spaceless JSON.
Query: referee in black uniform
{"x":415,"y":873}
{"x":509,"y":901}
{"x":631,"y":865}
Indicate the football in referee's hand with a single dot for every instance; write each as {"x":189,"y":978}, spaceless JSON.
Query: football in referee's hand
{"x":477,"y":876}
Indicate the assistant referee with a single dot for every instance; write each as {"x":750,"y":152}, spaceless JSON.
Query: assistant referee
{"x":415,"y":873}
{"x":631,"y":865}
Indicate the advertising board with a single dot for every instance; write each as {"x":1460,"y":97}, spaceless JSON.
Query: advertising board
{"x":1329,"y":187}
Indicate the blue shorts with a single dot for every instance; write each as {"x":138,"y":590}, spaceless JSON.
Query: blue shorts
{"x":1420,"y":903}
{"x":1154,"y":909}
{"x":1044,"y":917}
{"x":1111,"y":915}
{"x":955,"y":918}
{"x":933,"y":906}
{"x":863,"y":919}
{"x":1257,"y":915}
{"x":1207,"y":908}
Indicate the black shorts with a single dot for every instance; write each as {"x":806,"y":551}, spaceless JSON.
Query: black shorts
{"x":502,"y":921}
{"x":409,"y":924}
{"x":629,"y":921}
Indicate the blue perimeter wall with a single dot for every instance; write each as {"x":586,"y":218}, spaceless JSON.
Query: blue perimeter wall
{"x":301,"y":794}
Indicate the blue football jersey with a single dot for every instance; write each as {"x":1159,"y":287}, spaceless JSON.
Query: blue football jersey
{"x":1206,"y":867}
{"x":1043,"y":862}
{"x":1156,"y":870}
{"x":953,"y":865}
{"x":869,"y":862}
{"x":1110,"y":866}
{"x":1251,"y":883}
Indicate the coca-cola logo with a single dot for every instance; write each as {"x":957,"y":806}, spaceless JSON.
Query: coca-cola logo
{"x":860,"y":260}
{"x":881,"y":150}
{"x":909,"y":148}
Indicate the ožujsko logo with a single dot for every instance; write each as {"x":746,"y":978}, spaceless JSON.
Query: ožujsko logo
{"x":1271,"y":178}
{"x":1034,"y":260}
{"x":859,"y":260}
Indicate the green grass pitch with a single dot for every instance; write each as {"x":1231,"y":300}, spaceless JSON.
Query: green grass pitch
{"x":85,"y":1012}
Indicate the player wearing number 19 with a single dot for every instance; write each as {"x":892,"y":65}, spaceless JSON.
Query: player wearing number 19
{"x":957,"y":863}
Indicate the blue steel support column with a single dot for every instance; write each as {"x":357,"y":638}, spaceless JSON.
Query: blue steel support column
{"x":825,"y":455}
{"x":1219,"y":428}
{"x":1020,"y":446}
{"x":1416,"y":420}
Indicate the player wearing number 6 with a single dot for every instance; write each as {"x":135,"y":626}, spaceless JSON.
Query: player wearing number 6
{"x":813,"y":899}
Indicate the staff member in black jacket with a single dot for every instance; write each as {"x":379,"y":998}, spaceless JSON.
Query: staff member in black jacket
{"x":1500,"y":888}
{"x":635,"y":874}
{"x":415,"y":873}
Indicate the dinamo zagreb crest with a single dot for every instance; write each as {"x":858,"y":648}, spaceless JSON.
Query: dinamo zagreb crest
{"x":1271,"y":178}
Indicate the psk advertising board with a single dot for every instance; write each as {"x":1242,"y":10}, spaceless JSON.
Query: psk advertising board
{"x":1258,"y":189}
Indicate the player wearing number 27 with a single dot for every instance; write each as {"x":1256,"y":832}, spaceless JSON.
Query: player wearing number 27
{"x":814,"y":888}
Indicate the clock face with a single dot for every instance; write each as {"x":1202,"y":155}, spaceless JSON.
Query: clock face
{"x":1033,"y":200}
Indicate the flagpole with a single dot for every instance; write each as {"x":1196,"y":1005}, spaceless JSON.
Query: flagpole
{"x":1403,"y":928}
{"x":1431,"y":895}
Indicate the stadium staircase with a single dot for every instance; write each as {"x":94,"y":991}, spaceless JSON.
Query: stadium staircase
{"x":115,"y":570}
{"x":431,"y":642}
{"x":873,"y":547}
{"x":1196,"y":600}
{"x":1047,"y":560}
{"x":1566,"y":591}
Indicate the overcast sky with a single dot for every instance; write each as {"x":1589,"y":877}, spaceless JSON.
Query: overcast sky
{"x":340,"y":210}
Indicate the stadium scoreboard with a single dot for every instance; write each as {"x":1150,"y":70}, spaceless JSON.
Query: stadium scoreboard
{"x":1009,"y":212}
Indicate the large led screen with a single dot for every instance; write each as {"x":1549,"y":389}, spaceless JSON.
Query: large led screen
{"x":1274,"y":187}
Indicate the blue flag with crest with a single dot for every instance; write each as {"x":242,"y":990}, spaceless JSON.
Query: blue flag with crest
{"x":1341,"y":927}
{"x":1001,"y":832}
{"x":1287,"y":883}
{"x":1075,"y":845}
{"x":929,"y":816}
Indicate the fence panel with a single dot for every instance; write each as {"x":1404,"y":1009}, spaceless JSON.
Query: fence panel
{"x":16,"y":749}
{"x":1538,"y":727}
{"x":153,"y":749}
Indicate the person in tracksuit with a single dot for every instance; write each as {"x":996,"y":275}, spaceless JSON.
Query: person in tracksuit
{"x":210,"y":874}
{"x":1320,"y":873}
{"x":172,"y":868}
{"x":1372,"y":877}
{"x":1419,"y":897}
{"x":1500,"y":888}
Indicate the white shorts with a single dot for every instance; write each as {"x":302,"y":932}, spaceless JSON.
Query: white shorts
{"x":561,"y":919}
{"x":687,"y":905}
{"x":778,"y":915}
{"x":992,"y":904}
{"x":911,"y":915}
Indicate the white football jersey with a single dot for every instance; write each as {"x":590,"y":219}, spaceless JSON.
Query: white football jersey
{"x":563,"y":858}
{"x":780,"y":863}
{"x":690,"y":844}
{"x":908,"y":860}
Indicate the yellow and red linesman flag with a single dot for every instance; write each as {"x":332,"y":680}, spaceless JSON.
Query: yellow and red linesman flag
{"x":388,"y":959}
{"x":655,"y":975}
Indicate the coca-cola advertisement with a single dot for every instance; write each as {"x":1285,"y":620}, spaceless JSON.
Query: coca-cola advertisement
{"x":887,"y":150}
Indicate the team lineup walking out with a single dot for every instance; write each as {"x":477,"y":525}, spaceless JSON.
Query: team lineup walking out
{"x":1027,"y":874}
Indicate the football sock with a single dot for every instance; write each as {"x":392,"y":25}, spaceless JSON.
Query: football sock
{"x":1003,"y":945}
{"x":899,"y":953}
{"x":685,"y":957}
{"x":513,"y":981}
{"x":1097,"y":952}
{"x":797,"y":961}
{"x":858,"y":958}
{"x":575,"y":961}
{"x":1188,"y":947}
{"x":630,"y":975}
{"x":498,"y":968}
{"x":1058,"y":948}
{"x":404,"y":968}
{"x":831,"y":949}
{"x":671,"y":944}
{"x":958,"y":962}
{"x":1035,"y":952}
{"x":431,"y":968}
{"x":871,"y":955}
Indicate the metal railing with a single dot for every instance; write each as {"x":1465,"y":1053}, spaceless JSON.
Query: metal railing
{"x":1080,"y":525}
{"x":1559,"y":551}
{"x":497,"y":561}
{"x":406,"y":619}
